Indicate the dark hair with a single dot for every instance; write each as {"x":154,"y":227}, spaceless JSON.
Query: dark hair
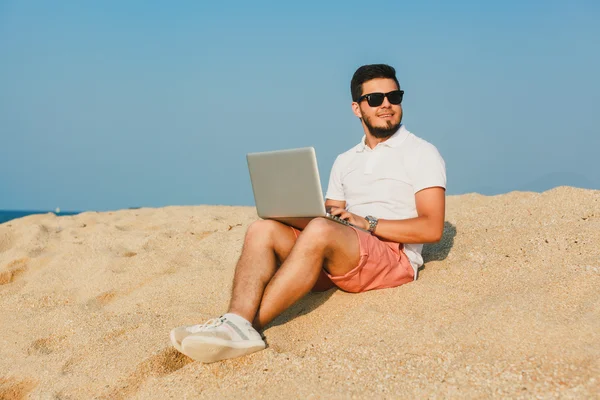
{"x":368,"y":72}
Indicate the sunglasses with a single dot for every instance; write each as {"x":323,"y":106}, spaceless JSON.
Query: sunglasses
{"x":376,"y":99}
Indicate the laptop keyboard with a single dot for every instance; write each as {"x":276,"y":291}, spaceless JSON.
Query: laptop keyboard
{"x":338,"y":219}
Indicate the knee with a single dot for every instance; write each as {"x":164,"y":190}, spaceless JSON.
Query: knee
{"x":321,"y":230}
{"x":263,"y":229}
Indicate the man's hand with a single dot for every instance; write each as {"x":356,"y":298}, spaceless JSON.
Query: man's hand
{"x":348,"y":216}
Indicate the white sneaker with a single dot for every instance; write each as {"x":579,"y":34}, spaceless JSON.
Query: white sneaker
{"x":178,"y":334}
{"x":217,"y":339}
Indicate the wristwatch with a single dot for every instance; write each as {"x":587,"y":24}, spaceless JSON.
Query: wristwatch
{"x":372,"y":223}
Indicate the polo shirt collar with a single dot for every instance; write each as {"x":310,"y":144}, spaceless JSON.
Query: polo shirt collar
{"x":394,"y":141}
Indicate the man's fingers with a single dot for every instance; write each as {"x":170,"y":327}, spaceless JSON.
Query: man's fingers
{"x":339,"y":212}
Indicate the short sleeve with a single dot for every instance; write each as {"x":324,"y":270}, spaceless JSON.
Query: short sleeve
{"x":335,"y":190}
{"x":429,"y":169}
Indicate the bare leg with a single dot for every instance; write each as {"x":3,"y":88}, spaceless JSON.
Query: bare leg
{"x":267,"y":245}
{"x":323,"y":244}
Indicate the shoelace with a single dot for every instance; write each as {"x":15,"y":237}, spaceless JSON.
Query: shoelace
{"x":211,"y":323}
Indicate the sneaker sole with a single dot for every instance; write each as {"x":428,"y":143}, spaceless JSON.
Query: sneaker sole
{"x":209,"y":350}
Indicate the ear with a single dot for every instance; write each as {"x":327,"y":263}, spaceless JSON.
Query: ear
{"x":356,"y":109}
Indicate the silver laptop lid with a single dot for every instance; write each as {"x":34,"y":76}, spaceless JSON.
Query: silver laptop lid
{"x":286,"y":183}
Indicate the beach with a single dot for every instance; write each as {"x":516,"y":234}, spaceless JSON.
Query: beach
{"x":506,"y":305}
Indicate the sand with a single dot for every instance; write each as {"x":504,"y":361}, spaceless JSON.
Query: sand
{"x":507,"y":305}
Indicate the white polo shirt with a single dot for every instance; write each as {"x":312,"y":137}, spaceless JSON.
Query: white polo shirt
{"x":382,"y":182}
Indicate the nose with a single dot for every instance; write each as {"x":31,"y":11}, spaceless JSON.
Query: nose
{"x":386,"y":103}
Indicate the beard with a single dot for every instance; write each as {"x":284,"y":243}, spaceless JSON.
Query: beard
{"x":382,"y":132}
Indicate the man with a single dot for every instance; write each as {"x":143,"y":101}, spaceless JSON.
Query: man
{"x":392,"y":184}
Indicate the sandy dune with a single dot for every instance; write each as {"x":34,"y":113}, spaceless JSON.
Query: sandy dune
{"x":507,"y":305}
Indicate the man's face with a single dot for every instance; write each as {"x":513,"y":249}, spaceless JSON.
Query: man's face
{"x":384,"y":120}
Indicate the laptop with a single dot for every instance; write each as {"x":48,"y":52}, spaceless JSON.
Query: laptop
{"x":287,"y":187}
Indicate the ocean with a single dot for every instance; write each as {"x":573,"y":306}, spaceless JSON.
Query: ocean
{"x":7,"y":215}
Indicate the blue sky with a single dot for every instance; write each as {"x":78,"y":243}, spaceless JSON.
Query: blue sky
{"x":109,"y":105}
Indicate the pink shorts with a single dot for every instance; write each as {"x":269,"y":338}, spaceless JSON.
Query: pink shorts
{"x":382,"y":265}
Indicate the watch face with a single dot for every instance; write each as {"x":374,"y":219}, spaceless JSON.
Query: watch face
{"x":372,"y":222}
